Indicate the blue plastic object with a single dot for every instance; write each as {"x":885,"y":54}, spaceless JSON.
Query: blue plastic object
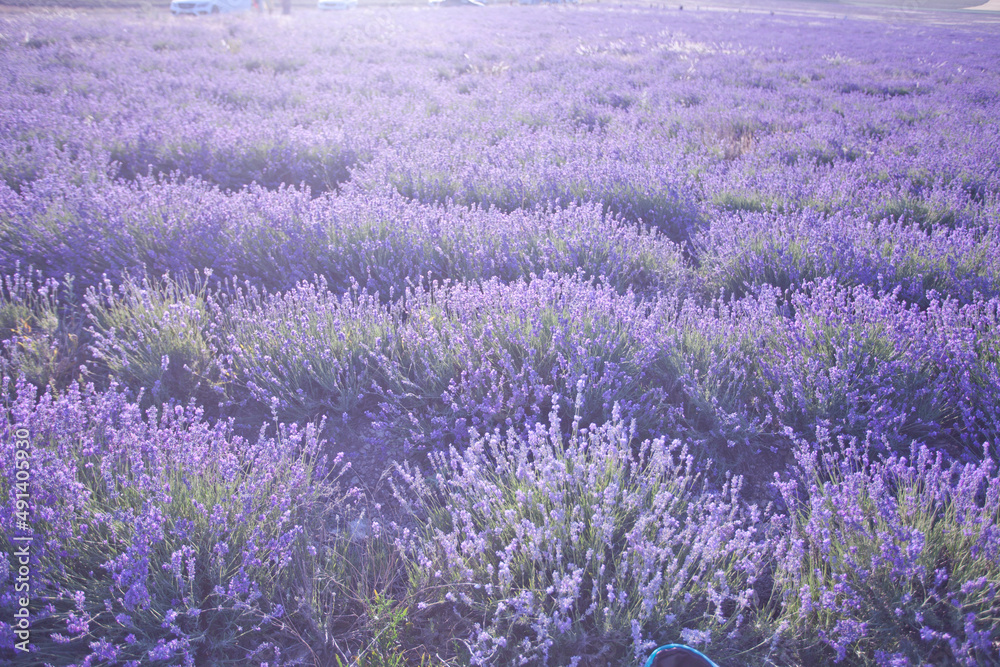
{"x":680,"y":650}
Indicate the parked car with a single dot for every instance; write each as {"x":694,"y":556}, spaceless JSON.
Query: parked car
{"x":455,"y":3}
{"x":336,"y":4}
{"x":209,"y":6}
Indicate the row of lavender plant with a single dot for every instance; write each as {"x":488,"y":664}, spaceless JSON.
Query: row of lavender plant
{"x":686,"y":124}
{"x":383,"y":242}
{"x":442,"y":359}
{"x":581,"y":548}
{"x":163,"y":538}
{"x":377,"y":240}
{"x":424,"y":370}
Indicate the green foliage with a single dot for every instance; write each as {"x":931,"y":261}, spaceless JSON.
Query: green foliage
{"x":305,"y":353}
{"x":912,"y":210}
{"x":733,"y":201}
{"x":40,"y":330}
{"x":385,"y":620}
{"x":154,"y":336}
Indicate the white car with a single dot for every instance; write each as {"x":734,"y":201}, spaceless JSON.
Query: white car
{"x":209,"y":6}
{"x":336,"y":4}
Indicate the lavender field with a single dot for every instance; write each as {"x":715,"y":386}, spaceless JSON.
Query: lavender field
{"x":501,"y":336}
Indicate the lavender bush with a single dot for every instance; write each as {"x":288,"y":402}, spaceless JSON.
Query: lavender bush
{"x":154,"y":337}
{"x":160,"y":536}
{"x":886,"y":370}
{"x":40,"y":331}
{"x":490,"y":356}
{"x":581,"y":548}
{"x":892,"y":562}
{"x":304,"y":353}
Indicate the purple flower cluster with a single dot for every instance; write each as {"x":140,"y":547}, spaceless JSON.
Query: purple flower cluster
{"x":158,"y":536}
{"x":153,"y":337}
{"x":891,"y":561}
{"x":582,"y":546}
